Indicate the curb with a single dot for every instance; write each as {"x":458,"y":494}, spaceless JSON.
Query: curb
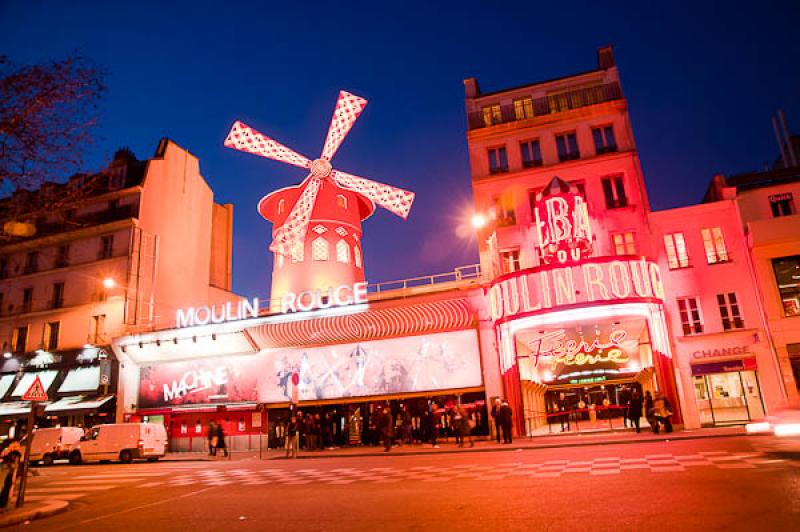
{"x":16,"y":517}
{"x":517,"y":448}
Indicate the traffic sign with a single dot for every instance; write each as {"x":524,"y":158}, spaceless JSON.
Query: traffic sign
{"x":36,"y":392}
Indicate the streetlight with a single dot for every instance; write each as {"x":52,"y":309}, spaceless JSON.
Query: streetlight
{"x":109,"y":283}
{"x":479,"y":221}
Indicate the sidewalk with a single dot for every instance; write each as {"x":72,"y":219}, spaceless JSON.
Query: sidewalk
{"x":30,"y":511}
{"x":539,"y":442}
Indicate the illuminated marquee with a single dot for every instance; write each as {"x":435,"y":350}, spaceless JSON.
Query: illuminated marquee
{"x":545,"y":288}
{"x":569,"y":352}
{"x":205,"y":314}
{"x":562,"y":224}
{"x":340,"y":296}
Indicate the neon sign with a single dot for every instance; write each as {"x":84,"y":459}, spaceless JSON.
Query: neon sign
{"x":195,"y":381}
{"x":340,"y":296}
{"x":562,"y":224}
{"x":569,"y":352}
{"x":204,"y":315}
{"x":597,"y":280}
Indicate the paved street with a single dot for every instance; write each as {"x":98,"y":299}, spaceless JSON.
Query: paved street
{"x":704,"y":484}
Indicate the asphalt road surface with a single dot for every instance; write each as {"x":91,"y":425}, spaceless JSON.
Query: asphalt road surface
{"x":707,"y":484}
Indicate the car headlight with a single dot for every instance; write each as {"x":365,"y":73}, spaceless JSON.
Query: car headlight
{"x":759,"y":427}
{"x":789,"y":429}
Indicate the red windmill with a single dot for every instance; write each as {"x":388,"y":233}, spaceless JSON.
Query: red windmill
{"x":324,"y":212}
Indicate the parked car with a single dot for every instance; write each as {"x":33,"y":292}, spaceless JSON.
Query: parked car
{"x":53,"y":443}
{"x":122,"y":441}
{"x":779,"y":432}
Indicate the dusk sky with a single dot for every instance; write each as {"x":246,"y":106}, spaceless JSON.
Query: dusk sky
{"x":702,"y":82}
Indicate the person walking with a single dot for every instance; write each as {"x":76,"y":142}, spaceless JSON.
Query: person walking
{"x":292,"y":441}
{"x":495,"y":410}
{"x":221,"y":440}
{"x":385,"y":426}
{"x":635,"y":409}
{"x":462,"y":426}
{"x":433,"y":424}
{"x":662,"y":412}
{"x":648,"y":410}
{"x":212,"y":438}
{"x":563,"y":410}
{"x":506,"y":416}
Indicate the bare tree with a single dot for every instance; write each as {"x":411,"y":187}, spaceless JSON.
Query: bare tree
{"x":47,"y":112}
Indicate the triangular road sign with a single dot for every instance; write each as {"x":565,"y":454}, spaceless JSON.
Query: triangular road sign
{"x":36,"y":392}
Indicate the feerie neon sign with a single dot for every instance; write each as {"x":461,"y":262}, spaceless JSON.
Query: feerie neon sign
{"x":571,"y":352}
{"x":339,"y":296}
{"x":205,"y":314}
{"x":596,"y":280}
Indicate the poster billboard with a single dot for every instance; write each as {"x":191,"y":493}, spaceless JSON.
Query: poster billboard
{"x":392,"y":366}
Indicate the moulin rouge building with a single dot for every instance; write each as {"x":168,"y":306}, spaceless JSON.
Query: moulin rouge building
{"x":582,"y":289}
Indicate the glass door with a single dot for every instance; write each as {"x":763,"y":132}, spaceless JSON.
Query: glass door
{"x":703,"y":400}
{"x":728,"y":399}
{"x":752,"y":392}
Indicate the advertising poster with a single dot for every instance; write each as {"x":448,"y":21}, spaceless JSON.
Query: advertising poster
{"x":391,"y":366}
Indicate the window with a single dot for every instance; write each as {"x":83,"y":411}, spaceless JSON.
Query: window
{"x":794,"y":360}
{"x":357,"y":256}
{"x":298,"y":253}
{"x":51,"y":335}
{"x":729,"y":311}
{"x":319,"y":249}
{"x":32,"y":262}
{"x":523,"y":108}
{"x":782,"y":204}
{"x":492,"y":114}
{"x":106,"y":247}
{"x":341,"y":201}
{"x":567,"y":145}
{"x":580,"y":188}
{"x":27,"y":299}
{"x":531,"y":153}
{"x":604,"y":141}
{"x":676,"y":251}
{"x":498,"y":160}
{"x":3,"y":267}
{"x":614,"y":191}
{"x":504,"y":210}
{"x":342,"y":252}
{"x":19,"y":339}
{"x":690,"y":315}
{"x":97,"y":328}
{"x":715,"y":245}
{"x":624,"y":243}
{"x":510,"y":260}
{"x":58,"y":296}
{"x":62,"y":256}
{"x":787,"y":276}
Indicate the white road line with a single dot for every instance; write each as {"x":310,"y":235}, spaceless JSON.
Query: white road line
{"x":75,"y":488}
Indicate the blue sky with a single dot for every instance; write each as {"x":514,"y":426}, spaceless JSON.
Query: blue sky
{"x":702,"y":81}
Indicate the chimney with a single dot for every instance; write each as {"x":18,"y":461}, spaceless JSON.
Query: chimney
{"x":605,"y":57}
{"x":471,"y":89}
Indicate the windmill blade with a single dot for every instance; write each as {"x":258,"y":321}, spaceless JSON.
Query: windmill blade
{"x":245,"y":138}
{"x":345,"y":114}
{"x":292,"y":233}
{"x":394,"y":200}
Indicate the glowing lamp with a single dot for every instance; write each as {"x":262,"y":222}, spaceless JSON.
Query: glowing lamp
{"x":479,"y":221}
{"x":109,"y":283}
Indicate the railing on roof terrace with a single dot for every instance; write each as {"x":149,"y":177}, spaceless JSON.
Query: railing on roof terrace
{"x":462,"y":273}
{"x":550,"y":104}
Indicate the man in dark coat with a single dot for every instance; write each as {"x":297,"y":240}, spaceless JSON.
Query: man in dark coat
{"x":385,"y":427}
{"x":563,"y":410}
{"x":495,"y":409}
{"x":635,"y":409}
{"x":506,"y":416}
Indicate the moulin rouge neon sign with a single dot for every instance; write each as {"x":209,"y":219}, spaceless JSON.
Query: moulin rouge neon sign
{"x":566,"y":351}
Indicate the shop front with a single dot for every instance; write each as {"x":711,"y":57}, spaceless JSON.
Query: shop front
{"x":337,"y":367}
{"x":576,"y":340}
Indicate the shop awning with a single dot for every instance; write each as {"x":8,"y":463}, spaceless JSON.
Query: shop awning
{"x":85,"y":379}
{"x":77,"y":402}
{"x":14,"y":408}
{"x":47,"y":377}
{"x":5,"y":383}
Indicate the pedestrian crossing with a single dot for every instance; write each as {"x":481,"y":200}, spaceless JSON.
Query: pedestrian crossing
{"x":204,"y":474}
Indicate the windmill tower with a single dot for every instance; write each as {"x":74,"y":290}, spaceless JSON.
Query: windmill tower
{"x":316,"y":233}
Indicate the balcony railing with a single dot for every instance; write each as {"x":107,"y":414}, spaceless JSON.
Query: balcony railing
{"x":557,"y":103}
{"x":87,"y":220}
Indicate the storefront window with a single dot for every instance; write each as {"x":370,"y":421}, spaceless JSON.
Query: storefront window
{"x":729,"y":397}
{"x":787,"y":276}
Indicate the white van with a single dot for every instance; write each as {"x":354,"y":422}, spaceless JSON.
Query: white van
{"x":53,"y":443}
{"x":121,"y":441}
